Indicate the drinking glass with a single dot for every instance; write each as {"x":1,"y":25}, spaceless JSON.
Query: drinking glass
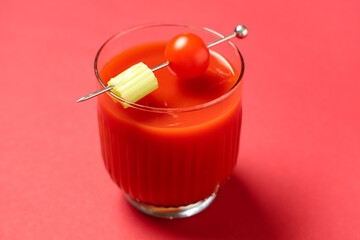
{"x":169,"y":162}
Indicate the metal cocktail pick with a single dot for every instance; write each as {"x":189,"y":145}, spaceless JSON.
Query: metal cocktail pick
{"x":240,"y":32}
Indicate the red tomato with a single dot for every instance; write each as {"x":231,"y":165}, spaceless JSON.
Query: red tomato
{"x":187,"y":55}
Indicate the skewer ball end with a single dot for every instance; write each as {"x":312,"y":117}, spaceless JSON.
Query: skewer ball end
{"x":241,"y":31}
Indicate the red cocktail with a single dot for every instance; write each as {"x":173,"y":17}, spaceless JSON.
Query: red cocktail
{"x":170,"y":151}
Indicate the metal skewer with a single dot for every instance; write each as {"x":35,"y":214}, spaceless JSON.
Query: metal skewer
{"x":240,"y":32}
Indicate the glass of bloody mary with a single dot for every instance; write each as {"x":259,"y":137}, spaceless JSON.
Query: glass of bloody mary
{"x":173,"y":149}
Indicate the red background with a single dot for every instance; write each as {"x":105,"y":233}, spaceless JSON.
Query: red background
{"x":298,"y":174}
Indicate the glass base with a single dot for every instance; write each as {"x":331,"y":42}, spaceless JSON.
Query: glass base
{"x":173,"y":212}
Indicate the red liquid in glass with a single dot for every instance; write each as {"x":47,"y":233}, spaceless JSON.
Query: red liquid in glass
{"x":171,"y":159}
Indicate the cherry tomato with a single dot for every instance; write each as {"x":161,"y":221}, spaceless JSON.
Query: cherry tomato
{"x":187,"y":55}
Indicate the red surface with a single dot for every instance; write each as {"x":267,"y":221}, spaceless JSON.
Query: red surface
{"x":298,"y":175}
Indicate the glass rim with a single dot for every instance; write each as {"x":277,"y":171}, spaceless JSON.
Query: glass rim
{"x":163,"y":109}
